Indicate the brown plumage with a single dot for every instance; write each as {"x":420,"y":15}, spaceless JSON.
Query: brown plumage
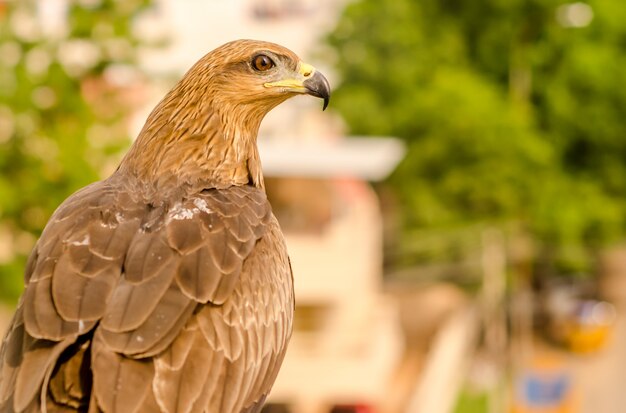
{"x":166,"y":287}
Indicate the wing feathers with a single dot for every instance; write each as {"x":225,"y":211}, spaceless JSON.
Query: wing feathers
{"x":40,"y":315}
{"x":79,"y":258}
{"x":198,"y":275}
{"x":226,"y":285}
{"x":224,"y":232}
{"x":185,"y":235}
{"x":77,"y":297}
{"x":166,"y":316}
{"x":147,"y":253}
{"x":120,"y":384}
{"x":176,"y":354}
{"x":36,"y":365}
{"x":149,"y":403}
{"x":131,"y":303}
{"x":218,"y":334}
{"x":181,"y":303}
{"x":11,"y":355}
{"x":176,"y":390}
{"x":70,"y":383}
{"x":111,"y":241}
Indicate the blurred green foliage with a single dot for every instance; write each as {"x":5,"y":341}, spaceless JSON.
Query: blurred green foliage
{"x":472,"y":402}
{"x":511,"y":113}
{"x":62,"y":113}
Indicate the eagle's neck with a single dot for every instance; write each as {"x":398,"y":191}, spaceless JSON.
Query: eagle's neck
{"x":199,"y":143}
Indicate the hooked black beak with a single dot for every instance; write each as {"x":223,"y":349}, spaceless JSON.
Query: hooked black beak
{"x":318,"y":86}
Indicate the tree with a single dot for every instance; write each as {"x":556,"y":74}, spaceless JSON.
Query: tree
{"x":509,"y":114}
{"x":63,"y":107}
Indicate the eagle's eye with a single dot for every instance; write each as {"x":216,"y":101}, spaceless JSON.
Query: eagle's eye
{"x":262,"y":63}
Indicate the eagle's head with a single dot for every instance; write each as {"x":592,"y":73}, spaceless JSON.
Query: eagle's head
{"x":256,"y":74}
{"x":206,"y":127}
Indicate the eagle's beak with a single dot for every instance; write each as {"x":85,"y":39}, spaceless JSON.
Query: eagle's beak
{"x":308,"y":80}
{"x":317,"y":85}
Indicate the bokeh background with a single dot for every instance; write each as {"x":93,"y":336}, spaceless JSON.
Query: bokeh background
{"x":464,"y":248}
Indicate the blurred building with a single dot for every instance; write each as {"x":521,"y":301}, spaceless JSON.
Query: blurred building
{"x":347,"y":341}
{"x":193,"y":27}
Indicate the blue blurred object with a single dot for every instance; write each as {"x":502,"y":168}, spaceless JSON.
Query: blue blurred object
{"x":545,"y":390}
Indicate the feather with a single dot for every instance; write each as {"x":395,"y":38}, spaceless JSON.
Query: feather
{"x":40,"y":315}
{"x":184,"y":235}
{"x":69,"y":386}
{"x":78,"y":298}
{"x":168,"y":316}
{"x":11,"y":356}
{"x":111,"y":241}
{"x":176,"y":390}
{"x":132,"y":303}
{"x":148,"y":252}
{"x":120,"y":384}
{"x":38,"y":361}
{"x":198,"y":276}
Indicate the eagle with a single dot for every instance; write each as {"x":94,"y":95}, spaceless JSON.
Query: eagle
{"x":167,"y":286}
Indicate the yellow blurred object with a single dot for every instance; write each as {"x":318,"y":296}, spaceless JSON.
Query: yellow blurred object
{"x":590,"y":331}
{"x":588,"y":339}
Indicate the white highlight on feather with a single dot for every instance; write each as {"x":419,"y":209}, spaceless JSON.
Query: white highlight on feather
{"x":113,"y":224}
{"x":179,"y":213}
{"x":182,"y":213}
{"x":84,"y":241}
{"x":202,"y":205}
